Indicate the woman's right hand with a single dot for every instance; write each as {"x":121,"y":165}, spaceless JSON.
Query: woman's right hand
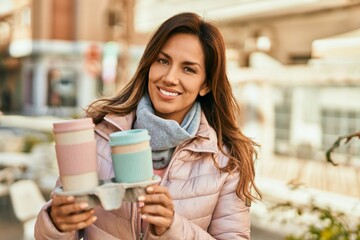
{"x":68,"y":215}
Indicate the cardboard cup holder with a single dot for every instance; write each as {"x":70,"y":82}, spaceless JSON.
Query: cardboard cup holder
{"x":110,"y":194}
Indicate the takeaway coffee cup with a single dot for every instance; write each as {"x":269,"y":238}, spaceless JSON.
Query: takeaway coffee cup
{"x":76,"y":154}
{"x":131,"y":156}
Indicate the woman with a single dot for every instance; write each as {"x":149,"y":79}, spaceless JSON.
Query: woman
{"x":181,"y":94}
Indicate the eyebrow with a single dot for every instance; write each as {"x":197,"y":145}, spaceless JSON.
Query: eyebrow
{"x":186,"y":62}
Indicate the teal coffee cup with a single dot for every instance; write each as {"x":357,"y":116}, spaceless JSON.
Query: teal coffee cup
{"x":131,"y":156}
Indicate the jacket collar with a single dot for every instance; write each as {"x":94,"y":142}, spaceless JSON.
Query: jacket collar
{"x":121,"y":122}
{"x":113,"y":123}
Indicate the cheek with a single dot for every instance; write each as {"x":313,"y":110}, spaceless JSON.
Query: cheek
{"x":198,"y":86}
{"x":154,"y":73}
{"x":151,"y":73}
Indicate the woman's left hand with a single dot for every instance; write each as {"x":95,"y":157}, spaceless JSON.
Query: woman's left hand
{"x":157,"y":208}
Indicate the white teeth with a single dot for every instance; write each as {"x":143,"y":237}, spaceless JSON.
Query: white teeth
{"x":168,"y":93}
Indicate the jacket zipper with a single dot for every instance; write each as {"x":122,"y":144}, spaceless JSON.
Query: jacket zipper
{"x":140,"y":234}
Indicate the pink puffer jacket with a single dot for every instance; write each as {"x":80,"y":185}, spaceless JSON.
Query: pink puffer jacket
{"x":206,"y":205}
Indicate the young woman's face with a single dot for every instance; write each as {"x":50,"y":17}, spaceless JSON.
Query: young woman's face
{"x":177,"y":77}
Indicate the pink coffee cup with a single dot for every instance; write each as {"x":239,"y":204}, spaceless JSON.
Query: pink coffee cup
{"x":76,"y":154}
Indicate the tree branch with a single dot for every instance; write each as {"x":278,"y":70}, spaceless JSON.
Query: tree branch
{"x":337,"y":144}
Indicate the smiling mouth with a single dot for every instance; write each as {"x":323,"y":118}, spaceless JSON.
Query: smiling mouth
{"x":170,"y":94}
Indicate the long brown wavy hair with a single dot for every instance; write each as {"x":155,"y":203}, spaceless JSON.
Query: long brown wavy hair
{"x":219,"y":105}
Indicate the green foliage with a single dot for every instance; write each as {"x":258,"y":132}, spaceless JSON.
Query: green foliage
{"x":330,"y":225}
{"x":31,"y":139}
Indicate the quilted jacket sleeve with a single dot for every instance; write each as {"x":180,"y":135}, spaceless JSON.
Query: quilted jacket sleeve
{"x":230,"y":220}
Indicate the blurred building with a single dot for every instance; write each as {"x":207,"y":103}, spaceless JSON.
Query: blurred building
{"x":292,"y":63}
{"x":58,"y":55}
{"x":294,"y":66}
{"x":284,"y":29}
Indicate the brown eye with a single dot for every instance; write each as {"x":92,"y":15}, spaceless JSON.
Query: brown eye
{"x":189,"y":70}
{"x":163,"y":61}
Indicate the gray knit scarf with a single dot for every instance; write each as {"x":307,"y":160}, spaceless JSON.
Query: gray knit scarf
{"x":166,"y":134}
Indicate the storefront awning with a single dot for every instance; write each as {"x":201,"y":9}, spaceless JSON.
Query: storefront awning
{"x":338,"y":46}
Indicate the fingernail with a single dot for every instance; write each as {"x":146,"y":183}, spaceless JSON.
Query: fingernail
{"x":94,"y":218}
{"x":84,"y":205}
{"x":143,"y":216}
{"x":141,"y":198}
{"x":70,"y":198}
{"x":149,"y":189}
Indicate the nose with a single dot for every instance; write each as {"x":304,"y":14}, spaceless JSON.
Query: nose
{"x":171,"y":76}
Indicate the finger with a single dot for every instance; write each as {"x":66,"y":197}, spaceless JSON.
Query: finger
{"x":157,"y":210}
{"x":76,"y":226}
{"x":70,"y":208}
{"x":159,"y":195}
{"x":58,"y":200}
{"x":160,"y":199}
{"x":157,"y":220}
{"x":67,"y":222}
{"x":76,"y":218}
{"x":156,"y":189}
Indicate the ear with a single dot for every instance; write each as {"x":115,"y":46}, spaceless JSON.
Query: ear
{"x":204,"y":90}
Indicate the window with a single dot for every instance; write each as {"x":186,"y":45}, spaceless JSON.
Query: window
{"x":282,"y":121}
{"x":336,"y":123}
{"x":62,"y":87}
